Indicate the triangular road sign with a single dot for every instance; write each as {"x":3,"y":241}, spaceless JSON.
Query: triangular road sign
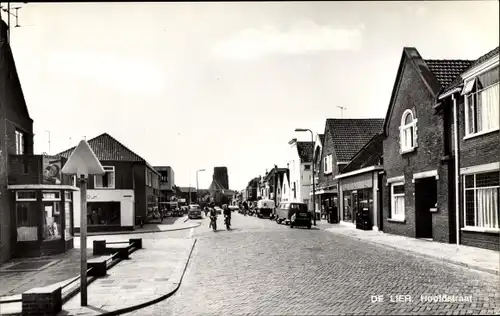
{"x":83,"y":161}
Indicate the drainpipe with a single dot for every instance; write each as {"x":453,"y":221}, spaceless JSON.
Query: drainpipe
{"x":457,"y":167}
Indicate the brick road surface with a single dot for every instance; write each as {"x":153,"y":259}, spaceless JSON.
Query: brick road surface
{"x":264,"y":268}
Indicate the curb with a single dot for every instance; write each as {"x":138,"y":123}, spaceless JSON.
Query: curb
{"x":158,"y":299}
{"x":416,"y":253}
{"x":127,"y":232}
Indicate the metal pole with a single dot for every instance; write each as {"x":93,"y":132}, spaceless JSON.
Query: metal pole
{"x":8,"y":22}
{"x":457,"y":169}
{"x":197,"y":188}
{"x":83,"y":241}
{"x":313,"y":186}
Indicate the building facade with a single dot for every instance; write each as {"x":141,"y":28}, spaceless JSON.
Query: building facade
{"x":343,"y":139}
{"x":128,"y":192}
{"x":469,"y":108}
{"x":416,"y":182}
{"x":35,"y":200}
{"x":167,"y":182}
{"x":359,"y":186}
{"x":300,"y":172}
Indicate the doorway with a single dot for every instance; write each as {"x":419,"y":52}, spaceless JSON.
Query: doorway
{"x":425,"y":199}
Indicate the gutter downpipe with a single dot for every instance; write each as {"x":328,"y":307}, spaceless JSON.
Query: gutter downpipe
{"x":457,"y":168}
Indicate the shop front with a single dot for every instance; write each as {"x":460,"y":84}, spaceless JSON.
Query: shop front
{"x":359,"y":198}
{"x":107,"y":210}
{"x":327,"y":203}
{"x":42,"y":219}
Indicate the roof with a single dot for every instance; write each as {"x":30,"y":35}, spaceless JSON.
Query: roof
{"x":279,"y":171}
{"x":458,"y":80}
{"x":322,"y":138}
{"x":436,"y":74}
{"x":215,"y":186}
{"x":8,"y":65}
{"x":447,"y":70}
{"x":367,"y":156}
{"x":305,"y":150}
{"x":107,"y":148}
{"x":357,"y":131}
{"x":186,"y":189}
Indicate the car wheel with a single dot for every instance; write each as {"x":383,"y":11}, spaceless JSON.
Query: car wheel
{"x":291,"y":225}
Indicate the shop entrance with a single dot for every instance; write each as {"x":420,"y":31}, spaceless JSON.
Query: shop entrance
{"x":102,"y":214}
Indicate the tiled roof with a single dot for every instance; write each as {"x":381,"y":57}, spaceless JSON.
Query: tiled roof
{"x":305,"y":150}
{"x":368,"y":156}
{"x":322,"y":138}
{"x":106,"y":148}
{"x":273,"y":171}
{"x":458,"y":80}
{"x":350,"y":135}
{"x":446,"y":70}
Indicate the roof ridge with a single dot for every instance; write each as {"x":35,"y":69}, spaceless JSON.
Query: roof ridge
{"x":105,"y":133}
{"x":460,"y":59}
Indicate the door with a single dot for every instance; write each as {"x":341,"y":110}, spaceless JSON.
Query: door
{"x":425,"y":199}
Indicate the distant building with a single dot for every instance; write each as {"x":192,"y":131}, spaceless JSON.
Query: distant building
{"x":221,"y":176}
{"x":167,"y":182}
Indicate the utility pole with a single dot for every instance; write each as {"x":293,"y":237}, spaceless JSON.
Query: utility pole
{"x":48,"y":132}
{"x":341,"y":111}
{"x":9,"y":13}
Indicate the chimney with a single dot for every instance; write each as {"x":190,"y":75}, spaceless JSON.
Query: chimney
{"x":293,"y":141}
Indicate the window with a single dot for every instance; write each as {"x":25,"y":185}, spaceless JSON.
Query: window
{"x":482,"y":113}
{"x":68,"y":212}
{"x":19,"y":143}
{"x":52,"y":218}
{"x":307,"y":167}
{"x":107,"y":180}
{"x":408,"y":132}
{"x":26,"y":221}
{"x":481,"y":193}
{"x":295,"y":190}
{"x":328,"y":163}
{"x":398,"y":201}
{"x":25,"y":196}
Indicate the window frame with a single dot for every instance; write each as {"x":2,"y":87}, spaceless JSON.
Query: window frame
{"x":111,"y":169}
{"x":403,"y":127}
{"x":474,"y":189}
{"x":328,"y":168}
{"x":394,"y":217}
{"x":20,"y":142}
{"x":25,"y":200}
{"x":473,"y":93}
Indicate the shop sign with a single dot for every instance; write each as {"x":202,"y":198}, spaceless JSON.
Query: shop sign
{"x":51,"y":171}
{"x":92,"y":197}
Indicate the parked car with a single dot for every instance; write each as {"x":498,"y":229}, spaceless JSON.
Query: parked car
{"x":194,"y":211}
{"x":295,"y":214}
{"x":234,"y":208}
{"x":218,"y":210}
{"x":265,"y":208}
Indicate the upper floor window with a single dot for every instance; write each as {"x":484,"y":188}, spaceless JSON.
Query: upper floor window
{"x":482,"y":113}
{"x":19,"y":143}
{"x":408,"y":132}
{"x":107,"y":180}
{"x":328,"y":164}
{"x":307,"y":167}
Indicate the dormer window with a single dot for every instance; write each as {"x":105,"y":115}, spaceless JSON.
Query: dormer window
{"x":408,"y":132}
{"x":481,"y":103}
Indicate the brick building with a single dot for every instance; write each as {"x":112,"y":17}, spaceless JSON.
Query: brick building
{"x":416,"y":193}
{"x":343,"y":138}
{"x":35,"y":200}
{"x":129,"y":189}
{"x":221,"y":175}
{"x":474,"y":165}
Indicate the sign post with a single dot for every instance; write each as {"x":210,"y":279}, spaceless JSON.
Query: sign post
{"x":82,"y":163}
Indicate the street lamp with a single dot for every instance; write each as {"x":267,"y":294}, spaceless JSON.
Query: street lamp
{"x":197,"y":196}
{"x":314,"y":186}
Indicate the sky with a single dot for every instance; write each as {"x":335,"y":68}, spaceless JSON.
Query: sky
{"x":199,"y":85}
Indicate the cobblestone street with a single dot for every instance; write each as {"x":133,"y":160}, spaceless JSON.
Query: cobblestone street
{"x":261,"y":267}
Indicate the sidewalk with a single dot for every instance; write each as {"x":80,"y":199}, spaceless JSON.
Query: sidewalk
{"x":150,"y":274}
{"x":169,"y":224}
{"x":470,"y":257}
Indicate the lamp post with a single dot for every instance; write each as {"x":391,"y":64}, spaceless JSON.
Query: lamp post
{"x":197,"y":188}
{"x":314,"y":186}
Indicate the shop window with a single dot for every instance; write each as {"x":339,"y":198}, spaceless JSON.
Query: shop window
{"x":106,"y":181}
{"x":348,"y":206}
{"x":398,"y":201}
{"x":52,"y":215}
{"x":482,"y":206}
{"x":103,"y":213}
{"x":68,"y":213}
{"x":26,"y":221}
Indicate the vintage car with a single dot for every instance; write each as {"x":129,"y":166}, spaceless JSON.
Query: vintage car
{"x":265,"y":208}
{"x":194,"y":211}
{"x":295,"y":214}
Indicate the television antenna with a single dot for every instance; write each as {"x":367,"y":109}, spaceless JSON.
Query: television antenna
{"x":8,"y":10}
{"x":341,"y":111}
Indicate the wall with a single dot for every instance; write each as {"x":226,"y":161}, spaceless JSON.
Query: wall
{"x":125,"y":197}
{"x":306,"y":183}
{"x":413,"y":94}
{"x":326,"y":180}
